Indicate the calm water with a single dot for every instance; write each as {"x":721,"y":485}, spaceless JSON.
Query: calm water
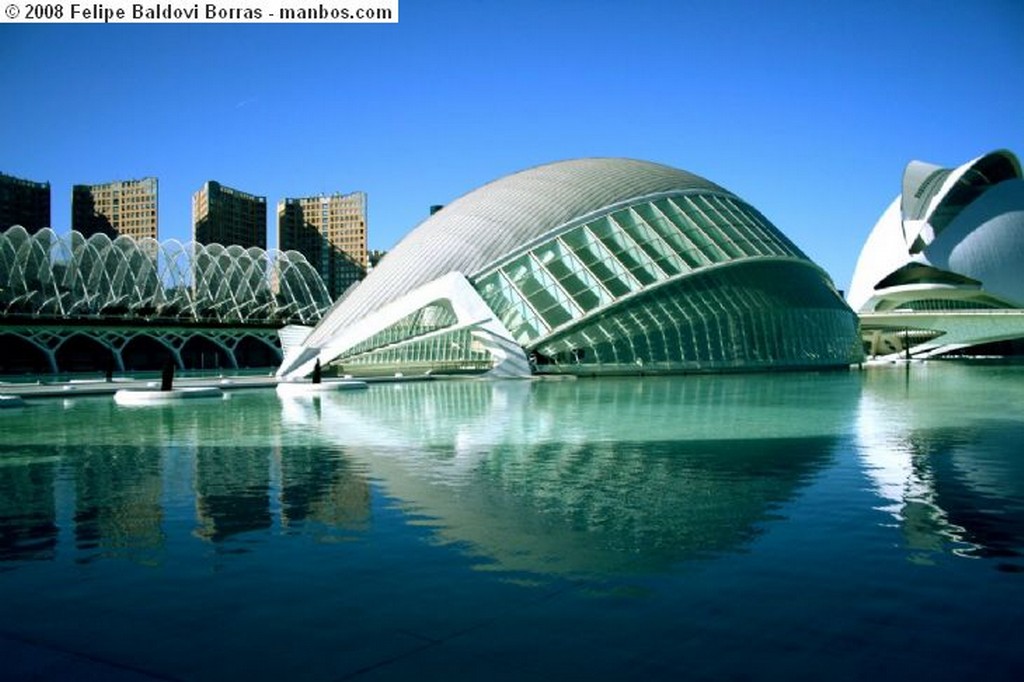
{"x":806,"y":526}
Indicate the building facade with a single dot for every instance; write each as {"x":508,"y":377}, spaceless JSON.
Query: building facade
{"x":940,"y":271}
{"x":330,"y":231}
{"x":591,"y":266}
{"x":24,"y":202}
{"x":227,"y":216}
{"x":123,"y":207}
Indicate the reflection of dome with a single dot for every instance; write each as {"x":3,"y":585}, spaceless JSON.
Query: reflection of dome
{"x":954,"y":239}
{"x":584,"y":266}
{"x":588,"y":476}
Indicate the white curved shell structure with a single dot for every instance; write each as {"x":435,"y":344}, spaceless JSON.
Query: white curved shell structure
{"x":586,"y":266}
{"x":953,"y":240}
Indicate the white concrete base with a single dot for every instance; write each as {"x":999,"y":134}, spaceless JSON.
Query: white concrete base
{"x":296,"y":388}
{"x":145,"y":396}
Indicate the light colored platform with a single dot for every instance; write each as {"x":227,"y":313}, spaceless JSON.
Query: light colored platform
{"x":297,"y":388}
{"x":129,"y":396}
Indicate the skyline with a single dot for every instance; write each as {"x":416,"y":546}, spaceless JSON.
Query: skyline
{"x":808,"y":113}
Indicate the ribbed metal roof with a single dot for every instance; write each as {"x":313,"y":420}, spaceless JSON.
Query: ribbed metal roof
{"x":488,"y":223}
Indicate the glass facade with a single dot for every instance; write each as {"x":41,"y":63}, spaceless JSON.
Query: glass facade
{"x":573,"y":299}
{"x":449,"y":352}
{"x":759,"y":316}
{"x":414,"y":342}
{"x":593,"y":266}
{"x":607,"y":258}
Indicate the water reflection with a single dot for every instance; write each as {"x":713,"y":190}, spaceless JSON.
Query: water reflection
{"x":570,"y":477}
{"x":28,"y":513}
{"x":322,"y":489}
{"x":590,"y":476}
{"x":232,"y":491}
{"x":117,"y":503}
{"x":947,"y":469}
{"x":108,"y":494}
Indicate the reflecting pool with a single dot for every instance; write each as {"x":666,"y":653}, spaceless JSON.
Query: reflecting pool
{"x":792,"y":526}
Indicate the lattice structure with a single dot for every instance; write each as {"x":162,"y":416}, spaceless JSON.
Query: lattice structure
{"x":589,"y":266}
{"x":69,"y":277}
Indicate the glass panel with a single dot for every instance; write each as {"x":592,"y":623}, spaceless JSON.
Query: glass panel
{"x":746,"y":234}
{"x":732,"y":241}
{"x":541,"y":291}
{"x":748,"y":317}
{"x":455,"y":350}
{"x":596,"y":257}
{"x":670,"y":234}
{"x":430,"y":318}
{"x":700,"y":212}
{"x":493,"y":290}
{"x":511,"y":308}
{"x":774,"y":241}
{"x":648,"y":239}
{"x":708,"y":250}
{"x":573,"y":276}
{"x":625,"y":250}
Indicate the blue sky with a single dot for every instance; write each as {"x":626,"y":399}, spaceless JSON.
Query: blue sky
{"x":807,"y":110}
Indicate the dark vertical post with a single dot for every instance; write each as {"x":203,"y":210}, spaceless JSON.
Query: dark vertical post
{"x":167,"y":376}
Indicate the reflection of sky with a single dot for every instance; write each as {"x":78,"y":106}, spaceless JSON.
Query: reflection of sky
{"x":577,"y":476}
{"x":940,"y":444}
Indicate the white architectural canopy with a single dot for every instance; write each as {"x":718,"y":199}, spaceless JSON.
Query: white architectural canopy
{"x":945,"y":258}
{"x":45,"y":275}
{"x":953,"y":239}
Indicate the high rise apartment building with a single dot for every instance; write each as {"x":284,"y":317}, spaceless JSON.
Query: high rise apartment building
{"x":222,"y":215}
{"x":123,"y":207}
{"x":330,"y":231}
{"x":24,"y":202}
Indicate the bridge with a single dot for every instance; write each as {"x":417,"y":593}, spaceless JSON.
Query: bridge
{"x":54,"y":347}
{"x":928,"y":333}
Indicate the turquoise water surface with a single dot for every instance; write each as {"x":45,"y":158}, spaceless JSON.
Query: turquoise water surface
{"x":836,"y":526}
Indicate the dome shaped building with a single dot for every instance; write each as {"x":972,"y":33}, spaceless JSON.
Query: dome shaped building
{"x":588,"y":266}
{"x":945,"y":257}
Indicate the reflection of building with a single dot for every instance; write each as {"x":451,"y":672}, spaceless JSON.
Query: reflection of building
{"x":330,"y":231}
{"x":940,"y":271}
{"x":950,"y":487}
{"x":222,"y":215}
{"x":574,"y":477}
{"x":25,"y":203}
{"x":106,"y":499}
{"x":322,"y":488}
{"x":588,"y":266}
{"x":232,"y":491}
{"x":28,"y":514}
{"x":117,"y":500}
{"x":125,"y":207}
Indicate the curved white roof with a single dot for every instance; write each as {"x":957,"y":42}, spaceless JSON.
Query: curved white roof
{"x":490,"y":222}
{"x":938,"y":216}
